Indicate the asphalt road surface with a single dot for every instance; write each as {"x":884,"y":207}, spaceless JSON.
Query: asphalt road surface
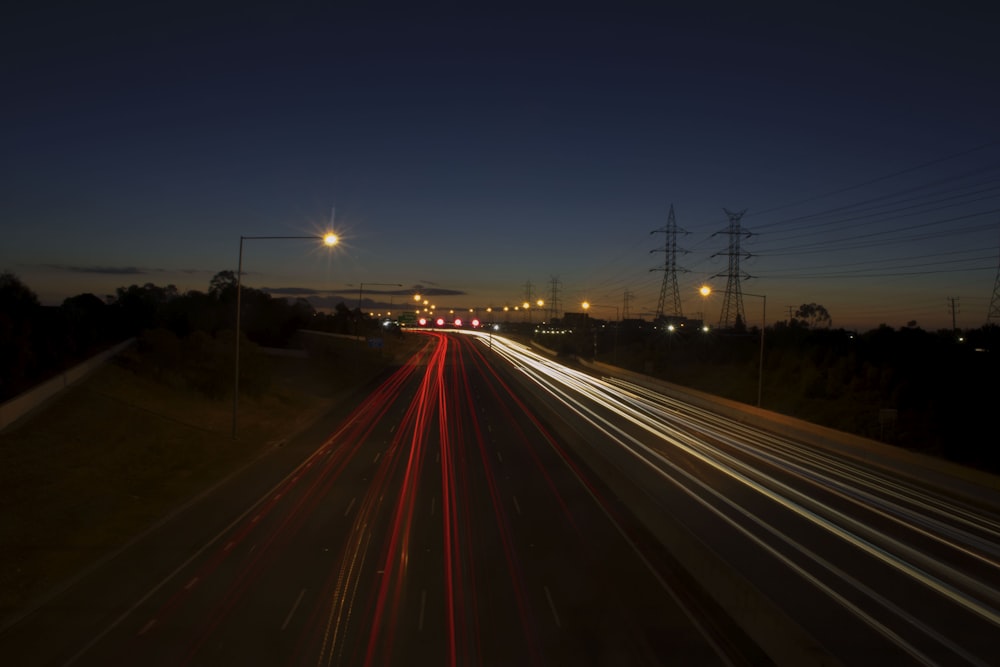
{"x":450,"y":518}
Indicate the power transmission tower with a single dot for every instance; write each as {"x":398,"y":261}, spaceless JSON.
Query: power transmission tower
{"x":527,"y":300}
{"x":627,"y":297}
{"x":669,"y":268}
{"x":554,"y":298}
{"x":953,"y":309}
{"x":732,"y":302}
{"x":993,"y":316}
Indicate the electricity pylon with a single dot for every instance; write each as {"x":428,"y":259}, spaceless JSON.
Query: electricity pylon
{"x":668,"y":288}
{"x":732,"y":302}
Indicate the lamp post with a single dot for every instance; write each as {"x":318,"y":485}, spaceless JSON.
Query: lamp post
{"x":329,"y":239}
{"x":705,"y":290}
{"x":763,"y":324}
{"x":361,"y":290}
{"x":586,"y":305}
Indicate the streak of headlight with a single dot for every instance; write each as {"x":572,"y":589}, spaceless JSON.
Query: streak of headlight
{"x":752,"y":444}
{"x":548,"y":374}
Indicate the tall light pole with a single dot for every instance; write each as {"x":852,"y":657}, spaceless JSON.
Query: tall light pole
{"x":329,"y":239}
{"x":586,"y":305}
{"x":763,"y":324}
{"x":705,"y":290}
{"x":361,"y":291}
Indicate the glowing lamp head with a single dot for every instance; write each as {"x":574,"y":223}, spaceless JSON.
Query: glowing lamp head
{"x":330,"y":239}
{"x":458,"y":321}
{"x":440,"y":322}
{"x":704,"y":290}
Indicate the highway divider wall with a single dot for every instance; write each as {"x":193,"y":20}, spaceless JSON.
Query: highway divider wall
{"x":19,"y":406}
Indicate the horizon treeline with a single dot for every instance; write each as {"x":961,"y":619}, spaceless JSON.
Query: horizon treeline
{"x":933,"y":392}
{"x":38,"y":342}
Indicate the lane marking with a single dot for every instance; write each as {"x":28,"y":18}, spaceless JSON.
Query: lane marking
{"x":432,"y":505}
{"x":516,"y":505}
{"x":499,"y":458}
{"x":552,"y":606}
{"x":350,"y":505}
{"x":377,"y":454}
{"x":191,"y":584}
{"x":423,"y":604}
{"x":292,"y":610}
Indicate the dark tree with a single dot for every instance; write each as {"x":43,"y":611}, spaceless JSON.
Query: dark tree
{"x":813,"y":315}
{"x":19,"y":311}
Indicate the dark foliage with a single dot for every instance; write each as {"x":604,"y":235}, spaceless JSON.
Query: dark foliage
{"x":929,"y":392}
{"x":189,"y":332}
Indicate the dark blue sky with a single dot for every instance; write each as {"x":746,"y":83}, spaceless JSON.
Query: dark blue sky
{"x":472,"y":152}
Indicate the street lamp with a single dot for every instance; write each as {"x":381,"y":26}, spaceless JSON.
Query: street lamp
{"x":361,"y":290}
{"x":586,"y":305}
{"x":705,"y":290}
{"x":763,"y":324}
{"x":329,"y":240}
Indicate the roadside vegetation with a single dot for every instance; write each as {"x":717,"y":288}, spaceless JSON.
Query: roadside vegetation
{"x":152,"y":428}
{"x":932,"y":392}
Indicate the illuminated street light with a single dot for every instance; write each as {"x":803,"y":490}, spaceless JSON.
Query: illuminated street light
{"x":586,"y":305}
{"x":763,"y":324}
{"x":329,"y":240}
{"x":705,"y":290}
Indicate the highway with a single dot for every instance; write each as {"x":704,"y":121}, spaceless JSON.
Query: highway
{"x":874,"y":565}
{"x":486,"y":505}
{"x":438,"y":523}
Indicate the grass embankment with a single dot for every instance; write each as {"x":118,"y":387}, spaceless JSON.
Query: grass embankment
{"x":119,"y":451}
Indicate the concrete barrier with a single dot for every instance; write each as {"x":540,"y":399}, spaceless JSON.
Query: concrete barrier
{"x":19,"y":406}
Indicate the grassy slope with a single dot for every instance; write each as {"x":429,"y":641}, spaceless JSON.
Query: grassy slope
{"x":116,"y":453}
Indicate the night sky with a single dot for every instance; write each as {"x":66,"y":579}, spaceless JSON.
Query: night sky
{"x":471,"y":153}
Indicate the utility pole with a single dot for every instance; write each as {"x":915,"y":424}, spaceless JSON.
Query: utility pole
{"x":953,"y":308}
{"x":993,"y":315}
{"x":528,"y":300}
{"x":668,"y":288}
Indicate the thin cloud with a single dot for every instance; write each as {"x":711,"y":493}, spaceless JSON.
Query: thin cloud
{"x":289,"y":291}
{"x":119,"y":270}
{"x":107,"y":270}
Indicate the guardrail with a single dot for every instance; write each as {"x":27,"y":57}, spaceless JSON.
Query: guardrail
{"x":19,"y":406}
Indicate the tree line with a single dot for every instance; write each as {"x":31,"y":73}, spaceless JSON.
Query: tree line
{"x":38,"y":342}
{"x":933,"y":392}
